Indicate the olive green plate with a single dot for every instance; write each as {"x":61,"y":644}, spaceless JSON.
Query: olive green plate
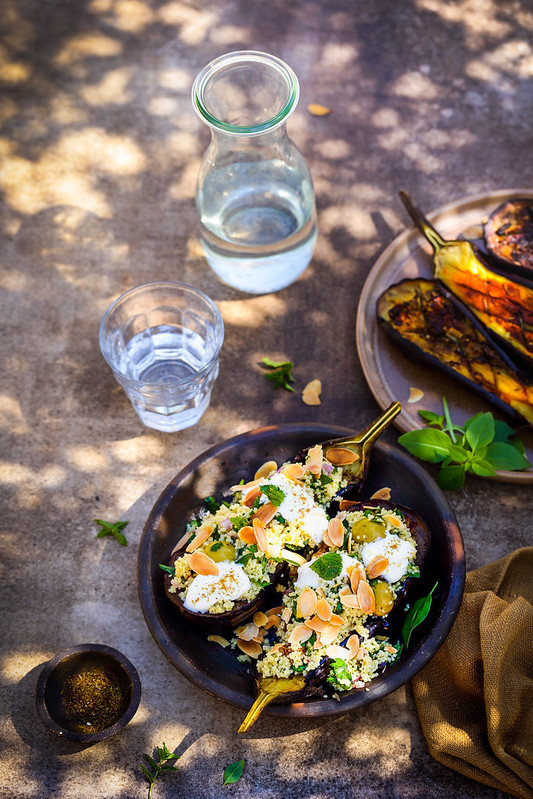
{"x":388,"y":371}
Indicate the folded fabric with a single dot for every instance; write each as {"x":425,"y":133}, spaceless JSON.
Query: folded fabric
{"x":475,"y":697}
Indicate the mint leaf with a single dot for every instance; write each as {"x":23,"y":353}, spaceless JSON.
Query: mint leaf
{"x":482,"y":468}
{"x":238,"y":522}
{"x":281,"y":374}
{"x":506,"y":457}
{"x":233,"y":772}
{"x":427,"y":444}
{"x":274,"y":494}
{"x":114,"y":529}
{"x":212,"y":504}
{"x":416,"y":614}
{"x":480,"y":431}
{"x":328,"y":566}
{"x":450,"y":478}
{"x":338,"y":675}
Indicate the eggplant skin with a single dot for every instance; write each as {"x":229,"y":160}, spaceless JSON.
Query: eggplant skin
{"x":429,"y":323}
{"x":509,"y":237}
{"x":214,"y":622}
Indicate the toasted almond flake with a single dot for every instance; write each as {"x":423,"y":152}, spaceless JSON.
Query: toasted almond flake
{"x":245,"y":486}
{"x":293,"y":471}
{"x":318,"y":110}
{"x":319,"y":592}
{"x":415,"y":394}
{"x":265,"y":513}
{"x":201,"y":536}
{"x":306,"y":605}
{"x":311,"y":393}
{"x":247,"y":535}
{"x":260,"y":637}
{"x":277,"y":647}
{"x":183,"y":540}
{"x":202,"y":564}
{"x":390,"y":649}
{"x":274,"y":611}
{"x":247,"y":631}
{"x":393,"y":520}
{"x":328,"y":636}
{"x":335,"y":651}
{"x":353,"y":645}
{"x":323,"y":609}
{"x":265,"y":470}
{"x":260,"y":535}
{"x":318,"y":642}
{"x":336,"y":532}
{"x":336,"y":620}
{"x":377,"y":566}
{"x":286,"y":615}
{"x":382,"y":493}
{"x":313,"y":462}
{"x":251,"y":496}
{"x":327,"y":540}
{"x":251,"y":648}
{"x":365,"y":595}
{"x":344,"y":590}
{"x":293,"y":557}
{"x":340,"y":456}
{"x":260,"y":618}
{"x":356,"y":576}
{"x":217,"y":639}
{"x":361,"y":653}
{"x":272,"y":621}
{"x":349,"y":601}
{"x":346,"y":504}
{"x":316,"y":624}
{"x":299,"y":635}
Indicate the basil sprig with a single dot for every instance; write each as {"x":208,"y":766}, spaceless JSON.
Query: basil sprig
{"x":416,"y":614}
{"x":481,"y":446}
{"x":328,"y":566}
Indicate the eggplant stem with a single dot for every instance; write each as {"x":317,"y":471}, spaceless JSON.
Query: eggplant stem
{"x":269,"y":689}
{"x":423,"y":224}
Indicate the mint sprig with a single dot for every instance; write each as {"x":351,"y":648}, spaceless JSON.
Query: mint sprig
{"x":153,"y":770}
{"x":280,"y":373}
{"x":274,"y":494}
{"x":328,"y":566}
{"x":481,"y":446}
{"x":114,"y":529}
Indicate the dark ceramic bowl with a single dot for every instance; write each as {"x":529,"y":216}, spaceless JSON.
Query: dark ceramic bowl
{"x":71,"y":661}
{"x":215,"y":669}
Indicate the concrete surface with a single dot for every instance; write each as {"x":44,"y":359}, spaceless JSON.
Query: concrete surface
{"x":99,"y":154}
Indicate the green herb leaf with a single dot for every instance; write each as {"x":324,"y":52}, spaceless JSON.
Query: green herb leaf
{"x":233,"y":772}
{"x":483,"y":468}
{"x":280,"y":374}
{"x":212,"y":504}
{"x":165,"y":758}
{"x":238,"y":522}
{"x":431,"y":418}
{"x":328,"y":566}
{"x":114,"y":529}
{"x":416,"y":614}
{"x":479,"y":431}
{"x":427,"y":444}
{"x":506,"y":456}
{"x":274,"y":494}
{"x":338,"y":675}
{"x":169,"y":569}
{"x":450,"y":478}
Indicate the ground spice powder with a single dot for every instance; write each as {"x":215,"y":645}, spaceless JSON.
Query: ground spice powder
{"x":92,"y":698}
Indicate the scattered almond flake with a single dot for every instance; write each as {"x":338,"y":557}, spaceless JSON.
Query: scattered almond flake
{"x":318,"y":110}
{"x":415,"y":394}
{"x":217,"y":639}
{"x":311,"y":393}
{"x":286,"y":615}
{"x":260,"y":618}
{"x":382,"y":493}
{"x":202,"y":564}
{"x":392,"y":520}
{"x":250,"y":648}
{"x":266,"y":470}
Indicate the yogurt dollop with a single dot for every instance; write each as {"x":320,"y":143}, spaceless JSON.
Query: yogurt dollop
{"x":398,"y":552}
{"x":299,"y":506}
{"x":230,"y":584}
{"x":307,"y":578}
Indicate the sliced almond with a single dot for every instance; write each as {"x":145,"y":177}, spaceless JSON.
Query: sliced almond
{"x":201,"y":536}
{"x":286,"y":615}
{"x":326,"y":539}
{"x":328,"y":636}
{"x":393,"y":520}
{"x":244,"y":487}
{"x":336,"y":532}
{"x":266,"y":470}
{"x":415,"y":394}
{"x":266,"y":513}
{"x":390,"y":649}
{"x":361,"y":653}
{"x":356,"y":575}
{"x":336,"y":620}
{"x":292,"y":557}
{"x":251,"y":648}
{"x":376,"y":566}
{"x":318,"y":110}
{"x":260,"y":618}
{"x":335,"y":651}
{"x":346,"y":504}
{"x":307,"y":603}
{"x":293,"y":471}
{"x":218,"y":639}
{"x":247,"y":535}
{"x":382,"y":493}
{"x":251,"y":496}
{"x":272,"y":621}
{"x":317,"y":624}
{"x":260,"y":535}
{"x":274,"y":611}
{"x":344,"y":590}
{"x":349,"y":601}
{"x":353,"y":645}
{"x":299,"y":635}
{"x":183,"y":540}
{"x":340,"y":456}
{"x":365,"y":595}
{"x":313,"y":462}
{"x":202,"y":564}
{"x":311,"y":393}
{"x":323,"y":609}
{"x":318,"y":642}
{"x":260,"y":637}
{"x":247,"y":632}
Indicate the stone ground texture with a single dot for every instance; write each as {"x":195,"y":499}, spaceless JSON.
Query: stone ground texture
{"x":99,"y":151}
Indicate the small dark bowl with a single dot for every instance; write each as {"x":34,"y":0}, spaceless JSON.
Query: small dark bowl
{"x":217,"y":670}
{"x":71,"y":661}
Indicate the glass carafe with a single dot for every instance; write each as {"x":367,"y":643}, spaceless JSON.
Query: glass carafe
{"x":254,"y":195}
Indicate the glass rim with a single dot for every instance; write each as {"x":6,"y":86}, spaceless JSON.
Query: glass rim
{"x":252,"y":57}
{"x":219,"y":322}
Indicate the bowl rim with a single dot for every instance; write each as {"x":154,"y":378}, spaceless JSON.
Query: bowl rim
{"x":100,"y":649}
{"x":322,"y":707}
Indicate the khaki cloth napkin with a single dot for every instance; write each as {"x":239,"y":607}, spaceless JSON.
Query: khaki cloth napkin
{"x":475,"y":697}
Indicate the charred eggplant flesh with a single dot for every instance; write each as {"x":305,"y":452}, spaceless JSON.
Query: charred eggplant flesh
{"x":509,"y":236}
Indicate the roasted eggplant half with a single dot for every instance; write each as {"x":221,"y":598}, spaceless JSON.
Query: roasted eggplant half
{"x":330,"y":633}
{"x":428,"y":322}
{"x":503,"y":305}
{"x":509,"y":237}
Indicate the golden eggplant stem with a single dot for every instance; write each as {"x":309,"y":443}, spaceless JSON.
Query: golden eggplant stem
{"x":269,"y":689}
{"x":423,"y":224}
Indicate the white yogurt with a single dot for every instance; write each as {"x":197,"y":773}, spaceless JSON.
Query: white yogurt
{"x":231,"y":583}
{"x":307,"y":578}
{"x":299,"y":506}
{"x":398,"y":552}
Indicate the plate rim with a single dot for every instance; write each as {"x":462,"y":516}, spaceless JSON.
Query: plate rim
{"x":318,"y":708}
{"x":407,"y":237}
